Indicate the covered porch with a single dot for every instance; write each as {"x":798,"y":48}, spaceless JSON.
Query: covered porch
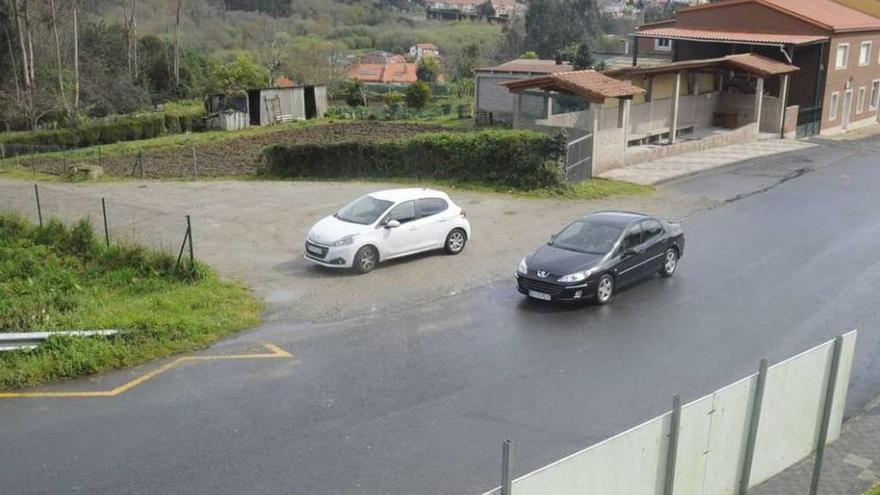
{"x":639,"y":114}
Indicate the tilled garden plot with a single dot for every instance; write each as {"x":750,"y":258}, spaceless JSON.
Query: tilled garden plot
{"x":231,"y":157}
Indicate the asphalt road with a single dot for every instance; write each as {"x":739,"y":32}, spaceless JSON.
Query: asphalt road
{"x":419,"y":401}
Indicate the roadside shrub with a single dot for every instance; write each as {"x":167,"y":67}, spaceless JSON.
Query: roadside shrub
{"x":519,"y":159}
{"x":179,"y":118}
{"x":418,"y":94}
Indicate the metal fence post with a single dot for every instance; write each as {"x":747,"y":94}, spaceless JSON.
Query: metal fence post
{"x":106,"y":230}
{"x":99,"y":156}
{"x":505,"y":468}
{"x":754,"y":421}
{"x":192,"y":260}
{"x":826,"y":414}
{"x":672,"y":451}
{"x":39,"y":208}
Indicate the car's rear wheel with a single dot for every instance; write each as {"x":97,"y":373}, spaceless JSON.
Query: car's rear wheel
{"x":455,"y":241}
{"x":366,"y":259}
{"x":670,"y":263}
{"x":604,"y":289}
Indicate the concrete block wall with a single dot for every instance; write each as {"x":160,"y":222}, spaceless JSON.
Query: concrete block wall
{"x":741,"y":135}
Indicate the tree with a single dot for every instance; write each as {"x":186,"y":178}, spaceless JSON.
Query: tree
{"x":418,"y":94}
{"x":463,"y":62}
{"x":580,"y":56}
{"x":355,"y":93}
{"x":486,"y":9}
{"x":551,"y":25}
{"x":529,"y":55}
{"x":241,"y":74}
{"x":427,"y":70}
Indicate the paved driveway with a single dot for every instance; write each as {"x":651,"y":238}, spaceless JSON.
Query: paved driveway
{"x":254,"y":232}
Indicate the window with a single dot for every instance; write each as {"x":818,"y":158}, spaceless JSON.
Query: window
{"x":832,"y":111}
{"x":652,"y":229}
{"x":663,"y":44}
{"x":587,"y":237}
{"x":865,"y":54}
{"x":364,"y":210}
{"x":431,"y":206}
{"x":860,"y":105}
{"x":875,"y":95}
{"x":633,"y":237}
{"x":842,"y":56}
{"x":404,"y":212}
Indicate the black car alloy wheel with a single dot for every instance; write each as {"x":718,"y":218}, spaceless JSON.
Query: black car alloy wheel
{"x":366,"y":259}
{"x":604,"y":289}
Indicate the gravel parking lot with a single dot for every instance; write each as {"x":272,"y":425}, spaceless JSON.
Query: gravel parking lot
{"x":254,"y":232}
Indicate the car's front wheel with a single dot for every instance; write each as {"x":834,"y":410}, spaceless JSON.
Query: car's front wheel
{"x":366,"y":259}
{"x":604,"y":289}
{"x":455,"y":241}
{"x":670,"y":263}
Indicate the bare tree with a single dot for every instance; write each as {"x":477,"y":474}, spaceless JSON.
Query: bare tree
{"x":75,"y":56}
{"x":177,"y":45}
{"x":20,"y":28}
{"x":129,"y":14}
{"x":12,"y":59}
{"x":53,"y":12}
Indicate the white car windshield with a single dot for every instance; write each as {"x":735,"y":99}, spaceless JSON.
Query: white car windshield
{"x":364,"y":210}
{"x":587,"y":237}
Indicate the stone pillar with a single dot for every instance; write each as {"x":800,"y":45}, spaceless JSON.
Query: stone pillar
{"x":783,"y":102}
{"x":623,"y":110}
{"x":517,"y":108}
{"x":759,"y":102}
{"x":673,"y":124}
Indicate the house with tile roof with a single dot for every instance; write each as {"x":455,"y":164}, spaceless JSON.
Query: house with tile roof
{"x":637,"y":114}
{"x":390,"y":73}
{"x":493,"y":102}
{"x":836,"y":47}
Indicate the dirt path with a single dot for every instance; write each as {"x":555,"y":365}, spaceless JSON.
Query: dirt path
{"x":254,"y":232}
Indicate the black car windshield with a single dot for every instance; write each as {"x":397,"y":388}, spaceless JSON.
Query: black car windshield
{"x":364,"y":210}
{"x":587,"y":237}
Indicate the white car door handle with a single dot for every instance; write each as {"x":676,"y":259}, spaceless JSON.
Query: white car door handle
{"x":413,"y":228}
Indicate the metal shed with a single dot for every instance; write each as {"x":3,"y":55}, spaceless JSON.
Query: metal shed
{"x":269,"y":106}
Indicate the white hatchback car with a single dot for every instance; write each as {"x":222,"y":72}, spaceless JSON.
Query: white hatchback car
{"x":388,"y":224}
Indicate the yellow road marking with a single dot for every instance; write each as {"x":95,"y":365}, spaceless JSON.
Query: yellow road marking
{"x":276,"y":353}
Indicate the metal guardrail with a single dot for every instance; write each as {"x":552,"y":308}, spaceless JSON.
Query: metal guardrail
{"x":31,"y":340}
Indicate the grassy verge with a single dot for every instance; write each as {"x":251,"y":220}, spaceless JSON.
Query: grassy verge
{"x":59,"y":278}
{"x":591,"y":189}
{"x":195,"y":138}
{"x":874,"y":491}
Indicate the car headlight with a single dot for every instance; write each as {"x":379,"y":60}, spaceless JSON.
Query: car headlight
{"x":345,"y":241}
{"x":577,"y":276}
{"x":523,"y":267}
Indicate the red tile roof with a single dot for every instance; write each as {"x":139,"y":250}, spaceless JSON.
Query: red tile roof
{"x":747,"y":62}
{"x":532,"y":65}
{"x":677,"y":33}
{"x":284,"y":82}
{"x":823,"y":13}
{"x":384,"y":73}
{"x":592,"y":85}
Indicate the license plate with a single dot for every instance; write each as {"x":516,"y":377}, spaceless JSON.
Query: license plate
{"x":539,"y":295}
{"x":313,"y":250}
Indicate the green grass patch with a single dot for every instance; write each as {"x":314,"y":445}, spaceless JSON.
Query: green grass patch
{"x":874,"y":491}
{"x":61,"y":278}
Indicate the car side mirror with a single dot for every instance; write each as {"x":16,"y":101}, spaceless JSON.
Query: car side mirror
{"x":392,"y":224}
{"x":553,"y":237}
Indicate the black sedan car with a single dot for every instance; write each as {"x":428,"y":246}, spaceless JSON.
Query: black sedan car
{"x":599,"y":253}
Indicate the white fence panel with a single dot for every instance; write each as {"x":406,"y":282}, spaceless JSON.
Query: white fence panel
{"x":632,"y":463}
{"x":792,"y":411}
{"x":712,"y":436}
{"x":729,"y":431}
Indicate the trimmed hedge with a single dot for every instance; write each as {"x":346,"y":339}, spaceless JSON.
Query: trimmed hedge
{"x":114,"y":130}
{"x":519,"y":159}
